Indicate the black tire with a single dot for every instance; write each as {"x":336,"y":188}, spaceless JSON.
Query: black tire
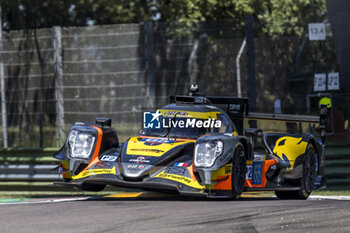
{"x":92,"y":187}
{"x":307,"y":181}
{"x":238,"y":172}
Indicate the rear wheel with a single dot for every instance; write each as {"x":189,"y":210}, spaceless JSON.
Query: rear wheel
{"x":238,"y":171}
{"x":92,"y":187}
{"x":307,"y":181}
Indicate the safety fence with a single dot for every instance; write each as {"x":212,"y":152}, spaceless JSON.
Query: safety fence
{"x":26,"y":170}
{"x":28,"y":165}
{"x":338,"y":165}
{"x":55,"y":77}
{"x":31,"y":169}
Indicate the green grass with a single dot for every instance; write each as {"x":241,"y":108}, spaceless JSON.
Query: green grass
{"x":43,"y":190}
{"x":332,"y":192}
{"x":43,"y":194}
{"x":317,"y":192}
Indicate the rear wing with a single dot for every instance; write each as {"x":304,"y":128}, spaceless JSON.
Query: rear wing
{"x":283,"y":117}
{"x":237,"y":109}
{"x":321,"y":119}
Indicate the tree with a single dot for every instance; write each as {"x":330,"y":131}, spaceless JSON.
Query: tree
{"x":290,"y":17}
{"x":276,"y":17}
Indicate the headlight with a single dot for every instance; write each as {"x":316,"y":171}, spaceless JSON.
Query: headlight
{"x":81,"y":144}
{"x":206,"y":153}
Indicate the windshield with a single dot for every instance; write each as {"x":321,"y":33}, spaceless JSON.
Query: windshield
{"x":173,"y":128}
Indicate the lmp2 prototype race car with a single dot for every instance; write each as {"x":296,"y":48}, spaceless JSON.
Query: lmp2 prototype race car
{"x":195,"y":146}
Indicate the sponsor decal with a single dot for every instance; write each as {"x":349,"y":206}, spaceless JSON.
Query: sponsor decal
{"x":140,"y":159}
{"x":157,"y":140}
{"x":174,"y":113}
{"x":234,"y":108}
{"x":180,"y":164}
{"x":259,"y":157}
{"x":249,"y":171}
{"x":257,"y":172}
{"x":151,"y":120}
{"x":134,"y":168}
{"x":148,"y":150}
{"x":191,"y":123}
{"x":222,"y":172}
{"x":154,"y":120}
{"x":179,"y":178}
{"x":152,"y":143}
{"x":109,"y":158}
{"x":95,"y":172}
{"x":226,"y":155}
{"x":175,"y":177}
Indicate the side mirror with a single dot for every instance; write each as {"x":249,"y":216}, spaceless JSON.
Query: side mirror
{"x":104,"y":121}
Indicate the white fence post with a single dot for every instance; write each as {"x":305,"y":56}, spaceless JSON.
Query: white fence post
{"x":238,"y":68}
{"x":149,"y":40}
{"x":3,"y":90}
{"x":57,"y":62}
{"x":193,"y":78}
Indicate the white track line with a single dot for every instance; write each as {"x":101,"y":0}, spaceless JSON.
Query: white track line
{"x":46,"y":201}
{"x":57,"y":200}
{"x":317,"y":197}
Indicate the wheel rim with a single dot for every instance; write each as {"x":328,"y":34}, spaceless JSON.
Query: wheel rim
{"x":309,"y":171}
{"x":238,"y":171}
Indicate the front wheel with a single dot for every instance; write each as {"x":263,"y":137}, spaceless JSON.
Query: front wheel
{"x":307,"y":180}
{"x":238,"y":171}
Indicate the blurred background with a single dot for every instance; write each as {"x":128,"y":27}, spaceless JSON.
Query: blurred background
{"x":75,"y":60}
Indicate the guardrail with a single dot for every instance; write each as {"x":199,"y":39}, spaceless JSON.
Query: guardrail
{"x":28,"y":165}
{"x":28,"y":170}
{"x":338,"y":166}
{"x":31,"y":168}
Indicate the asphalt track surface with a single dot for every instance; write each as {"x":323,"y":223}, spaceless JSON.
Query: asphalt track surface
{"x":175,"y":214}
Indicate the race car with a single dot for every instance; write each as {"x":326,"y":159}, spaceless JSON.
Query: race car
{"x":197,"y":146}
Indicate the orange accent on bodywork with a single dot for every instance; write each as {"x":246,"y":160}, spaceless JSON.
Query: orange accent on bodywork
{"x":266,"y":166}
{"x":190,"y":170}
{"x":66,"y":174}
{"x":224,"y":181}
{"x":95,"y":158}
{"x":225,"y":184}
{"x":65,"y":164}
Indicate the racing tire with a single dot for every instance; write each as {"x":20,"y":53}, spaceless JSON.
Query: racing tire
{"x":307,"y":180}
{"x":91,"y":187}
{"x":238,"y":172}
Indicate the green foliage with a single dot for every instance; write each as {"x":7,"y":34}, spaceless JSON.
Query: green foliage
{"x":112,"y":11}
{"x":290,"y":17}
{"x":276,"y":17}
{"x":23,"y":14}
